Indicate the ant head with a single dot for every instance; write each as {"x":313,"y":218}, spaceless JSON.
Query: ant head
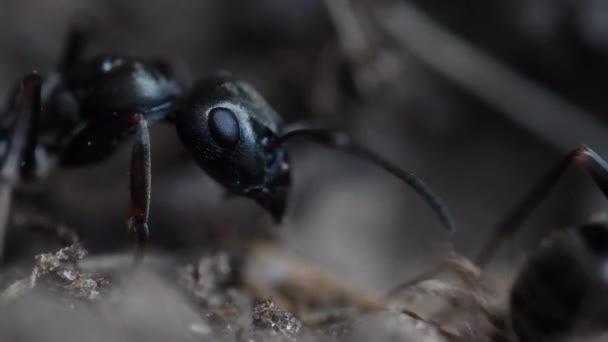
{"x":230,"y":130}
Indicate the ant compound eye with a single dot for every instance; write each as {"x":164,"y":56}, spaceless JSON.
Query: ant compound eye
{"x":224,"y":127}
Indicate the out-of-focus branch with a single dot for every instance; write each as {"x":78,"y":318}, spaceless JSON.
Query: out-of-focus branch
{"x":357,"y":40}
{"x":553,"y":119}
{"x":351,"y":34}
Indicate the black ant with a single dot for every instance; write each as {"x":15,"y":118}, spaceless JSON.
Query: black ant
{"x":80,"y":114}
{"x":561,"y":290}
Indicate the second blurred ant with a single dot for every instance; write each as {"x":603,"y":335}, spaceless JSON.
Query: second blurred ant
{"x":561,"y":291}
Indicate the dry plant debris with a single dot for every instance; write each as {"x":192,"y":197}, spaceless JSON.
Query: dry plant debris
{"x":266,"y":314}
{"x":58,"y":271}
{"x":210,"y":284}
{"x":227,"y":309}
{"x":395,"y":326}
{"x":455,"y":303}
{"x":297,"y":285}
{"x":463,"y":312}
{"x":208,"y":279}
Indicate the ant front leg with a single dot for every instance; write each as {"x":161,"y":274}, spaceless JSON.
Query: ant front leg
{"x":584,"y":157}
{"x":20,"y":145}
{"x":140,"y":186}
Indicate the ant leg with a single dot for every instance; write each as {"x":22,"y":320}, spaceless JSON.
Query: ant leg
{"x":74,"y":44}
{"x":27,"y":113}
{"x":24,"y":128}
{"x":29,"y":165}
{"x":583,"y":157}
{"x":140,"y":187}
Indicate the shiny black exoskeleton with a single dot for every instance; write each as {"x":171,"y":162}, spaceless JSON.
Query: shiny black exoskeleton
{"x":80,"y":115}
{"x":103,"y":96}
{"x":91,"y":106}
{"x":228,"y":127}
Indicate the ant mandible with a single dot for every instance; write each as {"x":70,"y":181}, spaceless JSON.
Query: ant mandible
{"x":80,"y":114}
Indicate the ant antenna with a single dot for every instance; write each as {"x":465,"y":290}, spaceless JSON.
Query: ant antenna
{"x":342,"y":141}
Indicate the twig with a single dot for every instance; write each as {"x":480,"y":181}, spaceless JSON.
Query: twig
{"x":558,"y":122}
{"x":351,"y":35}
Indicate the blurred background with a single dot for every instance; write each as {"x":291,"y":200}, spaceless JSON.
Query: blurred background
{"x":479,"y":104}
